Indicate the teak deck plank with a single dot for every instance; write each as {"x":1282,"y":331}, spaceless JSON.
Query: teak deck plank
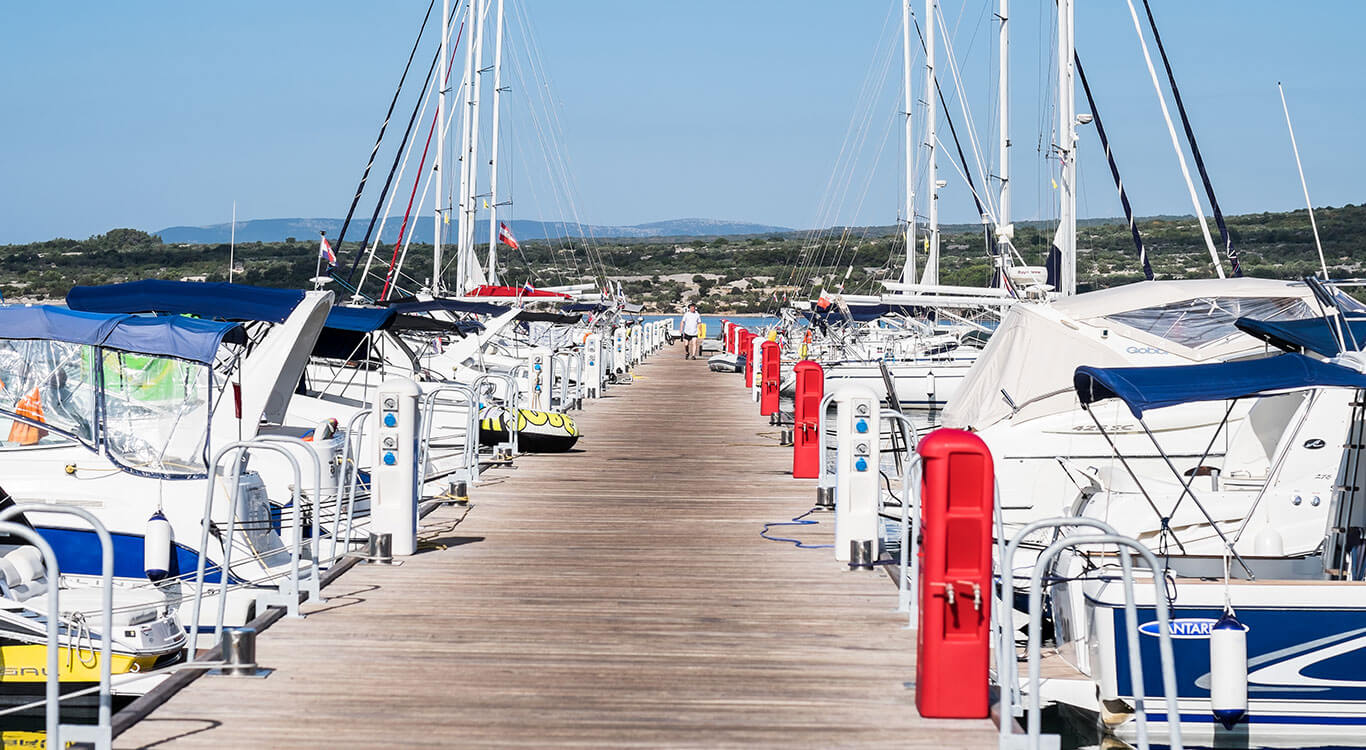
{"x":616,"y":596}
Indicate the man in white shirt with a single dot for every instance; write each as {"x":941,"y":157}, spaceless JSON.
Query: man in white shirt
{"x":689,"y":327}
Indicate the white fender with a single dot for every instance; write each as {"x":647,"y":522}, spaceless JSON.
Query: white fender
{"x":156,"y":547}
{"x":1228,"y":670}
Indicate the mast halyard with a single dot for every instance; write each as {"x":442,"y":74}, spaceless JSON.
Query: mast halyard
{"x":442,"y":85}
{"x":908,"y":268}
{"x":493,"y":145}
{"x":931,"y":276}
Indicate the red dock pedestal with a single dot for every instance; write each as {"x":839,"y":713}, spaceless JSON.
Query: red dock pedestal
{"x":770,"y":369}
{"x":807,"y":420}
{"x":746,"y":342}
{"x":953,"y":646}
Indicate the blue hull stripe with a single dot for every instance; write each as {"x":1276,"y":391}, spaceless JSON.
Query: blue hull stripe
{"x":78,"y":553}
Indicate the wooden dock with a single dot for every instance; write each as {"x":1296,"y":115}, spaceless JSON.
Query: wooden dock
{"x":616,"y":596}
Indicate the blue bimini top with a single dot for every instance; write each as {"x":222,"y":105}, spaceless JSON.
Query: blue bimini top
{"x":1143,"y":388}
{"x":216,"y":300}
{"x":185,"y":338}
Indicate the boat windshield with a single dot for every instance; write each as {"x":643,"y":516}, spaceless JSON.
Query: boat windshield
{"x":153,"y":412}
{"x":1194,"y":323}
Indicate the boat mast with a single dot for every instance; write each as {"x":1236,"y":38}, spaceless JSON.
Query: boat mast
{"x":908,"y":269}
{"x":931,"y":276}
{"x":1067,"y":152}
{"x":441,"y":73}
{"x":466,"y":136}
{"x":470,"y":270}
{"x":493,"y":146}
{"x":1005,"y":231}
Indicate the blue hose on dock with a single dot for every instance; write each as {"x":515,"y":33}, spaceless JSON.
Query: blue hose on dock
{"x":798,"y":521}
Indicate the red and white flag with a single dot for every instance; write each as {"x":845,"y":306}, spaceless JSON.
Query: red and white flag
{"x":505,"y":236}
{"x":824,"y":300}
{"x":325,"y":252}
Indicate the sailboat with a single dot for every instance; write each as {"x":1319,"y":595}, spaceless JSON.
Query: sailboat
{"x":917,"y":340}
{"x":1019,"y":398}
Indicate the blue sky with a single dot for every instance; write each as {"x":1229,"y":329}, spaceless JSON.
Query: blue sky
{"x":152,"y":114}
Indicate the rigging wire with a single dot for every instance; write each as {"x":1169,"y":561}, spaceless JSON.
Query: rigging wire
{"x":365,"y":175}
{"x":1229,"y":251}
{"x":388,"y":182}
{"x":1114,"y":171}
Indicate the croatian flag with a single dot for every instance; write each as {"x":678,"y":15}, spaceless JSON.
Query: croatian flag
{"x":325,"y":252}
{"x":505,"y":236}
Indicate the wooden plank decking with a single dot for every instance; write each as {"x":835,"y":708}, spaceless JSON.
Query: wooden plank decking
{"x":618,"y":596}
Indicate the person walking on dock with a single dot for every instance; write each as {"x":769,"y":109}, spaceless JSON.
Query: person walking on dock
{"x":689,"y":327}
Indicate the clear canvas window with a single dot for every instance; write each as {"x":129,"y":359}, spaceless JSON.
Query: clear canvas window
{"x":1194,"y":323}
{"x":50,"y":386}
{"x":156,"y":412}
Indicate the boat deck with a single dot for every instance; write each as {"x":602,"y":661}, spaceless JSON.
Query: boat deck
{"x":615,"y":596}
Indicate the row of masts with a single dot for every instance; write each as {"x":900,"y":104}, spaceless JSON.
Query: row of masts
{"x":1065,"y":146}
{"x":468,"y":271}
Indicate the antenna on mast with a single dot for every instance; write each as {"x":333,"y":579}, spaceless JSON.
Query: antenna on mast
{"x":232,"y":241}
{"x":1312,"y":223}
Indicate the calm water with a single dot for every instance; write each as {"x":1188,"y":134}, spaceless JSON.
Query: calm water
{"x":713,"y":322}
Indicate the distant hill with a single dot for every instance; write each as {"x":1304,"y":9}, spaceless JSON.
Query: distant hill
{"x":277,"y":230}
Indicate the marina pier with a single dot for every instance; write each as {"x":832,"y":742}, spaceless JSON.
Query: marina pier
{"x":616,"y":596}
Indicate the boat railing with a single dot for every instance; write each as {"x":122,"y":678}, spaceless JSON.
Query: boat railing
{"x":99,"y":734}
{"x":1006,"y":653}
{"x":469,"y":468}
{"x":287,"y":592}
